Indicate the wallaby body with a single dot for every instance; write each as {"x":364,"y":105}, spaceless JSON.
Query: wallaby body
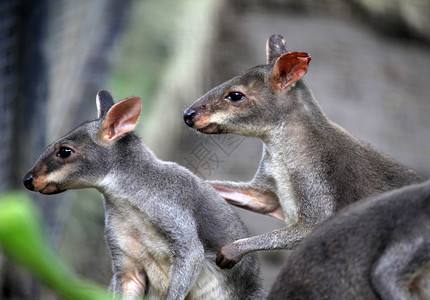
{"x":378,"y":248}
{"x":163,"y":224}
{"x":310,"y":167}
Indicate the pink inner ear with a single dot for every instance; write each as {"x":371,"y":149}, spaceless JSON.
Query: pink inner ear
{"x":289,"y":68}
{"x":121,"y":118}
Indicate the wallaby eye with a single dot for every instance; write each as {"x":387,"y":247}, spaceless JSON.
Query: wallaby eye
{"x":64,"y":152}
{"x":235,"y":96}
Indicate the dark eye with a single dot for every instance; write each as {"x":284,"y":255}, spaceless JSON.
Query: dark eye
{"x":64,"y":152}
{"x":235,"y":96}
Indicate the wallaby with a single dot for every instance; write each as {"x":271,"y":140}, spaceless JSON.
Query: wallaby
{"x":310,"y":167}
{"x":378,"y":248}
{"x":164,"y":225}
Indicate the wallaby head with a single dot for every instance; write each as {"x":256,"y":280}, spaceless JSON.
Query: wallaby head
{"x":248,"y":104}
{"x":81,"y":158}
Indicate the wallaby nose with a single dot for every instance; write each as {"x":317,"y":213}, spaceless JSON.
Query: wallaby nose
{"x":28,"y":181}
{"x":189,"y":116}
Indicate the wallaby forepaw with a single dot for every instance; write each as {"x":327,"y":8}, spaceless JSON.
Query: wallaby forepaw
{"x":226,"y":259}
{"x":224,"y":262}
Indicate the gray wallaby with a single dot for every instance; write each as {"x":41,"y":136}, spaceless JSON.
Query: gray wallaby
{"x":164,"y":225}
{"x":310,"y":166}
{"x":378,"y":248}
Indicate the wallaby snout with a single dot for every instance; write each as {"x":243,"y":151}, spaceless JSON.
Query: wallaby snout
{"x":200,"y":119}
{"x":189,"y":116}
{"x":39,"y":183}
{"x":42,"y":181}
{"x":28,"y":181}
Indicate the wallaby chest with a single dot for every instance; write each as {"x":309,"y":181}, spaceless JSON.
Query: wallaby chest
{"x":271,"y":168}
{"x":142,"y":246}
{"x":299,"y":176}
{"x":139,"y":245}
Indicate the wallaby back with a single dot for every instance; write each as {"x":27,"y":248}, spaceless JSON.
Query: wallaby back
{"x":377,"y":248}
{"x":310,"y":167}
{"x":164,"y":225}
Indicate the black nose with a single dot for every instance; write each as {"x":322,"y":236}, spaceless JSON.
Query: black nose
{"x":189,"y":116}
{"x":28,"y":181}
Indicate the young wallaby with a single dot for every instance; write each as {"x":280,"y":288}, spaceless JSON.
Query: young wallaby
{"x":310,"y":167}
{"x":378,"y":248}
{"x":164,"y":225}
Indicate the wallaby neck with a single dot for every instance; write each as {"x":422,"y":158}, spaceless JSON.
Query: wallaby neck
{"x":130,"y":161}
{"x":300,"y":121}
{"x":294,"y":152}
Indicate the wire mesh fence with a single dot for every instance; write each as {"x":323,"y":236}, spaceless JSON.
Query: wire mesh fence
{"x":8,"y":77}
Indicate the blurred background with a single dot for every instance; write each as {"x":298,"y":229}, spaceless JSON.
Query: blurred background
{"x":370,"y":72}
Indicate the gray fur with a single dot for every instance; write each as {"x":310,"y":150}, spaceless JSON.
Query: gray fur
{"x":104,"y":102}
{"x":164,"y":225}
{"x":377,"y":248}
{"x":310,"y":168}
{"x":275,"y":47}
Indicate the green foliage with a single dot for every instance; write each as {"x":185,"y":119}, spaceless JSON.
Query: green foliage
{"x":22,"y":239}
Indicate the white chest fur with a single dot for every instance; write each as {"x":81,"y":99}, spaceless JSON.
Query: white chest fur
{"x":143,"y":249}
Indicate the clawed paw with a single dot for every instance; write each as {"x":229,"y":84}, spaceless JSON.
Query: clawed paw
{"x":225,"y":259}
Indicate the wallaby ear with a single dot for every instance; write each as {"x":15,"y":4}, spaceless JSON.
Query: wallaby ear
{"x":275,"y":47}
{"x":289,"y":68}
{"x":104,"y":102}
{"x":121,"y":118}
